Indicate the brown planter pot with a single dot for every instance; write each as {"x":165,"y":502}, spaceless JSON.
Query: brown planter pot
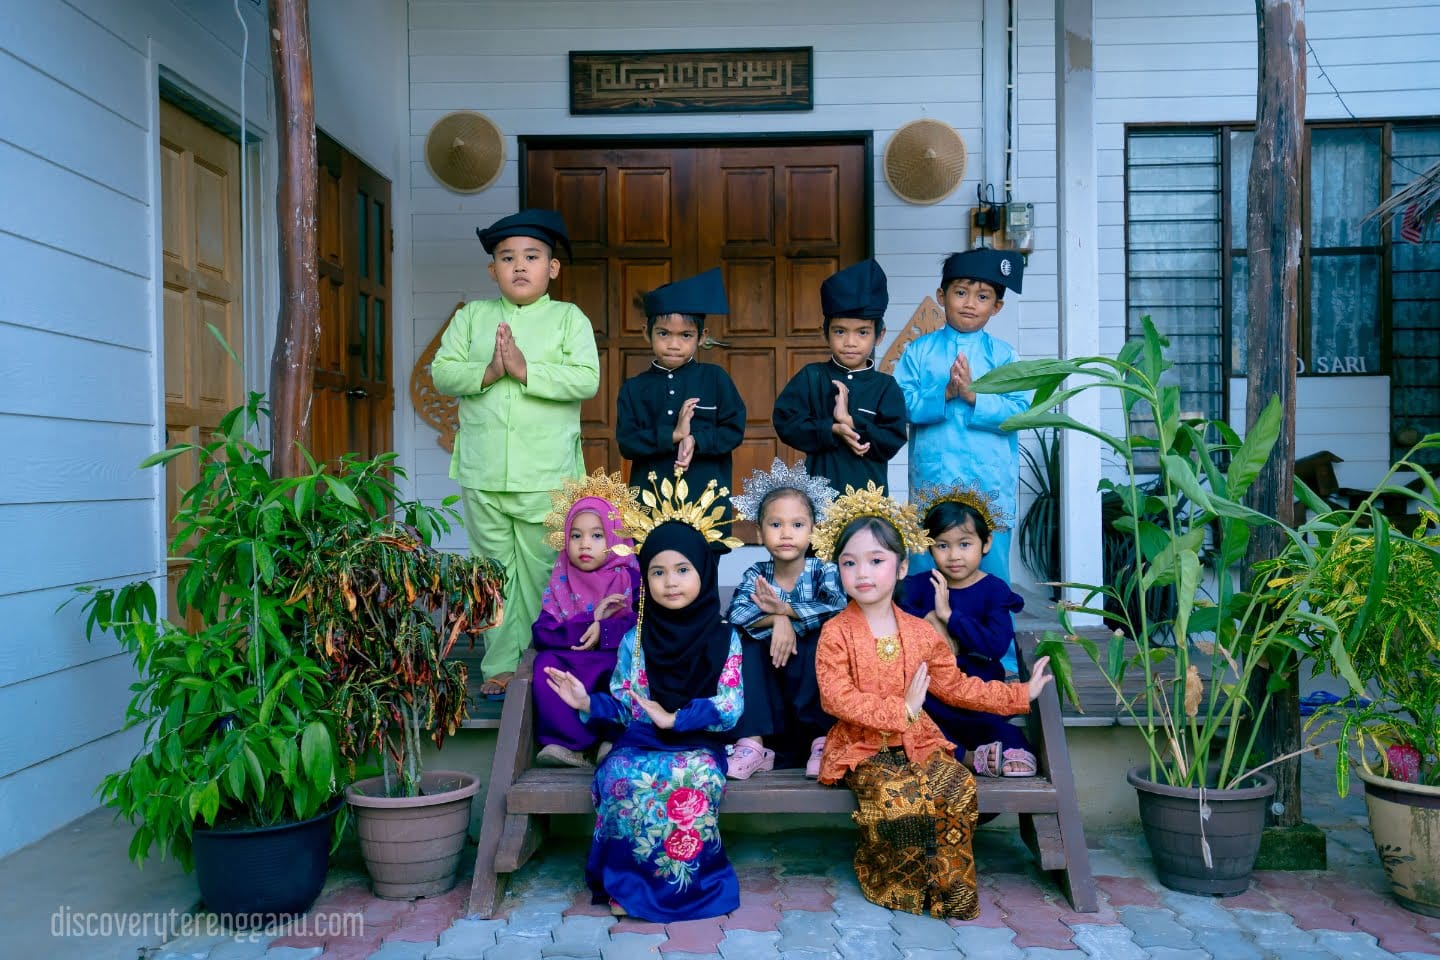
{"x":1171,"y":817}
{"x":1405,"y":824}
{"x":412,"y":845}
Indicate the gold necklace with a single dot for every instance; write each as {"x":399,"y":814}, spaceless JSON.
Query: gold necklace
{"x":887,"y":648}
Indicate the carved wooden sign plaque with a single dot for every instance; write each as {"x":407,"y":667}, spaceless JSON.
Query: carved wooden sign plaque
{"x":691,"y":81}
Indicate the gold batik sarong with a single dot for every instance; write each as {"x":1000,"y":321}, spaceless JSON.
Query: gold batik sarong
{"x":916,"y":825}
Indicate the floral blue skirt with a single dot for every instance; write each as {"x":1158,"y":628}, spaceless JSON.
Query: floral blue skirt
{"x":657,"y":849}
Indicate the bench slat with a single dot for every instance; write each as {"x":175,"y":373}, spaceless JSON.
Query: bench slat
{"x":567,"y":790}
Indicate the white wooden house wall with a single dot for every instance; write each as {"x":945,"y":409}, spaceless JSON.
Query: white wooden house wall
{"x":1196,"y":62}
{"x":80,"y":333}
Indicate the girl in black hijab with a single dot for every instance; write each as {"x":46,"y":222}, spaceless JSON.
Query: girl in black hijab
{"x":656,"y":853}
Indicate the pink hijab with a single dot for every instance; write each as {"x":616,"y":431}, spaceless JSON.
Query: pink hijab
{"x":572,"y":591}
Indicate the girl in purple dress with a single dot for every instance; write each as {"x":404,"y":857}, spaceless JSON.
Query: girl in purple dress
{"x":971,"y":610}
{"x":587,"y":607}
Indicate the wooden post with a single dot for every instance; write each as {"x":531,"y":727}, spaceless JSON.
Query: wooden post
{"x":297,"y":327}
{"x":1079,"y":286}
{"x":1272,"y":227}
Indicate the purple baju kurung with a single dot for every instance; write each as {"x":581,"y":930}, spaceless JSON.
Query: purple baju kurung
{"x":555,"y":721}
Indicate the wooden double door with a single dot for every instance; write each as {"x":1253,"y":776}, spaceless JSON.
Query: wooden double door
{"x":353,"y":401}
{"x":777,"y":218}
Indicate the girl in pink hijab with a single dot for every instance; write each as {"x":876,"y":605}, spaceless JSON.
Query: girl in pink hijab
{"x":587,"y":608}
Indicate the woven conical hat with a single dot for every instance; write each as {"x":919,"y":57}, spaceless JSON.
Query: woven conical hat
{"x":925,"y":161}
{"x":465,"y":151}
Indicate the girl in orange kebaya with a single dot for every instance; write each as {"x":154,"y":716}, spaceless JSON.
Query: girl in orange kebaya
{"x":875,"y":664}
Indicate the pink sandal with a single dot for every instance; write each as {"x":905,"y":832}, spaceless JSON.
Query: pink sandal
{"x":749,"y":757}
{"x":1019,"y":757}
{"x":817,"y":750}
{"x":988,"y":759}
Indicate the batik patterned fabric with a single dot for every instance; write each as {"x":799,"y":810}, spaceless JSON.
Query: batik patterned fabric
{"x":656,"y":848}
{"x":916,"y":825}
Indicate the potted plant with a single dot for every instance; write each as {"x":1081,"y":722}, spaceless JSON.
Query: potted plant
{"x":237,"y":774}
{"x":1188,"y":529}
{"x":384,"y":609}
{"x":1381,"y":588}
{"x":1038,"y":533}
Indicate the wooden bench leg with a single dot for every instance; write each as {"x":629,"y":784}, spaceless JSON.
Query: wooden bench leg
{"x":1076,"y":879}
{"x":514,"y":747}
{"x":1041,"y":833}
{"x":519,"y":839}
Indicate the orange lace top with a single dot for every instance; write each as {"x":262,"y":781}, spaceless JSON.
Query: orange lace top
{"x":865,"y":691}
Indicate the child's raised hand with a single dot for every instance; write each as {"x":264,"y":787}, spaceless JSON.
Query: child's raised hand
{"x":782,"y":641}
{"x":495,"y":369}
{"x":942,"y":596}
{"x":568,"y":687}
{"x":919,"y":686}
{"x":609,"y":606}
{"x":662,"y":718}
{"x":683,"y":418}
{"x":1039,"y":676}
{"x":590,"y":639}
{"x":514,"y":360}
{"x":767,"y":599}
{"x":842,"y":404}
{"x":685,"y":453}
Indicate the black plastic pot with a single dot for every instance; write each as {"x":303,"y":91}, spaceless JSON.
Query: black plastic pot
{"x":264,"y":870}
{"x":1173,"y":828}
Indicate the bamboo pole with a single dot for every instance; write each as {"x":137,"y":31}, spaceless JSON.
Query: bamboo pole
{"x":297,"y":325}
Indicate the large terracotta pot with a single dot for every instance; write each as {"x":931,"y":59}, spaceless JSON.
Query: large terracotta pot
{"x":1172,"y":822}
{"x":271,"y":870}
{"x":1405,"y":822}
{"x":412,"y":845}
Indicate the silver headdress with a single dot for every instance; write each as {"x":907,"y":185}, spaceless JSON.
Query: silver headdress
{"x":782,"y":477}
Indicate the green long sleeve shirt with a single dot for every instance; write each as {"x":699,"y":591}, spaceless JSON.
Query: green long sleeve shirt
{"x":518,"y":437}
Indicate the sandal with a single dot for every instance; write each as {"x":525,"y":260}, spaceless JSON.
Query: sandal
{"x":817,"y":750}
{"x":494,"y":688}
{"x":616,"y":910}
{"x":1022,"y":760}
{"x":987,"y":759}
{"x":749,"y":758}
{"x":554,"y":755}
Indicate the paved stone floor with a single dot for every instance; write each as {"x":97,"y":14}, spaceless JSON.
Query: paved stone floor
{"x":799,"y":901}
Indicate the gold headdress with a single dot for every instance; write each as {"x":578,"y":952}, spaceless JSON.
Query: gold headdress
{"x":671,"y":502}
{"x":981,"y":501}
{"x":869,"y":502}
{"x":608,"y":487}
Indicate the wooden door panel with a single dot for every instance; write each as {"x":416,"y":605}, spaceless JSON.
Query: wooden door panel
{"x":777,"y":219}
{"x":352,"y":407}
{"x":200,"y":240}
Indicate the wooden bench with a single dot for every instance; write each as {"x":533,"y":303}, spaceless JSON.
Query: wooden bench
{"x":521,"y":795}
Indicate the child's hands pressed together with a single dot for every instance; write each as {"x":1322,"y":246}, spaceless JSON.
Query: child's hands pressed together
{"x":568,"y":687}
{"x":915,"y":694}
{"x":662,"y":718}
{"x":1039,"y":676}
{"x":510,"y":354}
{"x":960,"y":380}
{"x":782,"y":641}
{"x":495,"y":369}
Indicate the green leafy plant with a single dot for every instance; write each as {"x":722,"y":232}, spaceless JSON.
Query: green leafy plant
{"x":1038,"y":533}
{"x":1381,"y":588}
{"x":1188,"y":527}
{"x":239,"y":727}
{"x":384,"y":609}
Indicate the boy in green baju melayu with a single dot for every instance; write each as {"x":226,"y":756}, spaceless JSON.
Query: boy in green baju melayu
{"x":521,"y":365}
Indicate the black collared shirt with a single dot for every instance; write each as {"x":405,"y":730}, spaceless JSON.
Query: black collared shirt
{"x":646,"y":411}
{"x":805,"y":416}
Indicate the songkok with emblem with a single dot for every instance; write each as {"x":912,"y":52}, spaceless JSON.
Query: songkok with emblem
{"x":1001,"y":269}
{"x":701,"y":294}
{"x":546,"y":226}
{"x":858,"y":292}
